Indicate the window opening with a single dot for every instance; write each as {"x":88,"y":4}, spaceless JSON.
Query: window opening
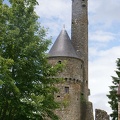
{"x":83,"y":5}
{"x":59,"y":62}
{"x":81,"y":66}
{"x":66,"y":89}
{"x":82,"y":94}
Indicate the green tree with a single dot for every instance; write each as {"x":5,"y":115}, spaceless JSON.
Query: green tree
{"x":26,"y":79}
{"x":113,"y":99}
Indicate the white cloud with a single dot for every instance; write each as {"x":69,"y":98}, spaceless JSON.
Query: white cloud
{"x":101,"y":36}
{"x":102,"y":68}
{"x":104,"y":11}
{"x":54,"y":14}
{"x":100,"y":71}
{"x":100,"y":102}
{"x":54,"y":8}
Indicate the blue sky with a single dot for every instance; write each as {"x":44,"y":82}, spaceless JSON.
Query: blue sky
{"x":104,"y":40}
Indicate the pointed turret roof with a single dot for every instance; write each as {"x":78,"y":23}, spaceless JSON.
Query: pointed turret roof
{"x":63,"y":46}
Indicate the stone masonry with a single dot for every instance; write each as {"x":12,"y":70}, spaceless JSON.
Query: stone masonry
{"x":101,"y":115}
{"x":79,"y":36}
{"x":70,"y":89}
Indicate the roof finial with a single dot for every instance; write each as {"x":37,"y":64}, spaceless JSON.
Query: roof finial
{"x":63,"y":26}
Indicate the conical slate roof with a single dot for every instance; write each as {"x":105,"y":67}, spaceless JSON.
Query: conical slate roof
{"x":63,"y":46}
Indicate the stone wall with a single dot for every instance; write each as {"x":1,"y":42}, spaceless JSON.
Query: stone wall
{"x":89,"y":110}
{"x":73,"y":69}
{"x":70,"y":90}
{"x":101,"y":115}
{"x":70,"y":101}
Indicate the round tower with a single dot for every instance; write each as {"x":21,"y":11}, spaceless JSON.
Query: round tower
{"x":79,"y":27}
{"x":70,"y":93}
{"x":79,"y":36}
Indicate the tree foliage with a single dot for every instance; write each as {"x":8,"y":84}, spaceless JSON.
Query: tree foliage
{"x":26,"y":79}
{"x":113,"y":99}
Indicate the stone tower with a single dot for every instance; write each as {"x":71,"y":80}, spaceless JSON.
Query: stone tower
{"x":79,"y":35}
{"x":73,"y":53}
{"x":70,"y":90}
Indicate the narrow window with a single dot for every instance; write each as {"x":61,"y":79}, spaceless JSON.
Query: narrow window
{"x":59,"y":62}
{"x":82,"y":97}
{"x":66,"y":89}
{"x":82,"y":94}
{"x":66,"y":79}
{"x":83,"y":5}
{"x":81,"y":66}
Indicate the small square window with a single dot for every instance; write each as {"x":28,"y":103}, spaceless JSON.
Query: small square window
{"x":66,"y":89}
